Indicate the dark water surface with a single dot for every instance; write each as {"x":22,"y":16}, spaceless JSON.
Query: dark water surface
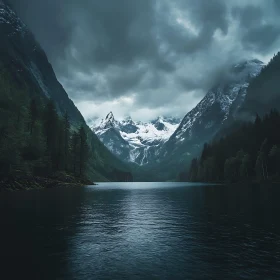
{"x":141,"y":231}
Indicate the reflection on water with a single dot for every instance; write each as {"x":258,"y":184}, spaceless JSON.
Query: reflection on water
{"x":143,"y":231}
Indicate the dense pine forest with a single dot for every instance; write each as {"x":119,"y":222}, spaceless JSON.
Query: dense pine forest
{"x":34,"y":139}
{"x":38,"y":140}
{"x":251,"y":152}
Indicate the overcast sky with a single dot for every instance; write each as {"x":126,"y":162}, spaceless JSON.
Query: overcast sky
{"x":146,"y":58}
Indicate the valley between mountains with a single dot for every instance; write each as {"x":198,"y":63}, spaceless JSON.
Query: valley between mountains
{"x":159,"y":149}
{"x":117,"y":149}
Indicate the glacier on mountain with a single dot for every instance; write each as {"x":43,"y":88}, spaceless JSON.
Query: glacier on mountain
{"x":134,"y":141}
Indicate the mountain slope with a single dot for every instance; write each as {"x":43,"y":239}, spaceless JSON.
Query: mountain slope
{"x":218,"y":109}
{"x":219,"y":106}
{"x":22,"y":58}
{"x":253,"y":147}
{"x":264,"y":91}
{"x":135,"y":142}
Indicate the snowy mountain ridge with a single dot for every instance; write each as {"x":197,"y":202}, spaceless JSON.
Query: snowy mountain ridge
{"x":227,"y":97}
{"x":134,"y":141}
{"x":219,"y":108}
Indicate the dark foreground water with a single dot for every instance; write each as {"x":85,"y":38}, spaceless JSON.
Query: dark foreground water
{"x":141,"y":231}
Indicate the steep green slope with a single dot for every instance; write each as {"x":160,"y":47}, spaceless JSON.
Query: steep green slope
{"x":27,"y":73}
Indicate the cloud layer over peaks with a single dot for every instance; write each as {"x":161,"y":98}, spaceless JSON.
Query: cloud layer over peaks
{"x":150,"y":57}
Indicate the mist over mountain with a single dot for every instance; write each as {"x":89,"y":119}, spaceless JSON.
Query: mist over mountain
{"x":249,"y":150}
{"x":166,"y":145}
{"x":219,"y":107}
{"x":263,"y":93}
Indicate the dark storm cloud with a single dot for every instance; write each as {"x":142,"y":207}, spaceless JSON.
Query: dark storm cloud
{"x":118,"y":31}
{"x":259,"y":30}
{"x":249,"y":16}
{"x":260,"y":38}
{"x":47,"y":21}
{"x":151,"y":54}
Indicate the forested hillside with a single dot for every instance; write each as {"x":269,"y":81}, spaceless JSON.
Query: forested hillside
{"x":34,"y":138}
{"x":252,"y":152}
{"x":28,"y":89}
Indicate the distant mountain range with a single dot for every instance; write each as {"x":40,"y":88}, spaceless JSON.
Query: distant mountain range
{"x":165,"y":145}
{"x":134,"y":141}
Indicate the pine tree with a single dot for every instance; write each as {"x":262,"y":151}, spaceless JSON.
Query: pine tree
{"x":61,"y":146}
{"x":51,"y":133}
{"x":83,"y":151}
{"x":66,"y":135}
{"x":193,"y":172}
{"x":33,"y":111}
{"x":231,"y":169}
{"x":74,"y":151}
{"x":245,"y":167}
{"x":274,"y":160}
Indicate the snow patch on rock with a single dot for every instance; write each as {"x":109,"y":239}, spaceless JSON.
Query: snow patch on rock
{"x":142,"y":138}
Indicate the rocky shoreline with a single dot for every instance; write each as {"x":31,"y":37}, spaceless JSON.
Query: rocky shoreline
{"x":26,"y":182}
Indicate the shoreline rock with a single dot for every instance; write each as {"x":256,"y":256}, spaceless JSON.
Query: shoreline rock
{"x":27,"y":182}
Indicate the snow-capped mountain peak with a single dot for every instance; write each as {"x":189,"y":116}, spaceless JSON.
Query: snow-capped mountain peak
{"x":108,"y":122}
{"x":219,"y":107}
{"x":134,"y":141}
{"x":110,"y":117}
